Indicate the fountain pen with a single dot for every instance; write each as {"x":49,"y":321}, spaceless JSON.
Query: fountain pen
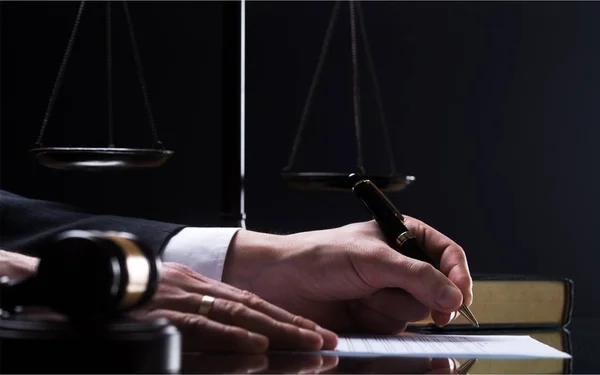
{"x":391,"y":222}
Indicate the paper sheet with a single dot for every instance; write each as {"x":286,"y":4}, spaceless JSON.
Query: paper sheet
{"x":447,"y":346}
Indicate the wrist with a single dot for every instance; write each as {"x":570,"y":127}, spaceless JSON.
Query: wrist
{"x":250,"y":254}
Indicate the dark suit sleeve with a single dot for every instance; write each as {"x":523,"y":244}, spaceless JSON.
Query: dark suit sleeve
{"x":26,"y":224}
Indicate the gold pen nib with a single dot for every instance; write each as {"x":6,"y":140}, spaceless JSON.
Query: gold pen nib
{"x":465,"y":367}
{"x":468,"y":315}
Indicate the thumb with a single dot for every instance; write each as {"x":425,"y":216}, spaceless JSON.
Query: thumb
{"x":389,"y":269}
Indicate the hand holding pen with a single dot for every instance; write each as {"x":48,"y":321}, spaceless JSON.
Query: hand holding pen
{"x":348,"y":279}
{"x":399,"y":237}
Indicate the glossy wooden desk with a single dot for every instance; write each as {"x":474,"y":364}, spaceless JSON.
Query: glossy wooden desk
{"x":585,"y":349}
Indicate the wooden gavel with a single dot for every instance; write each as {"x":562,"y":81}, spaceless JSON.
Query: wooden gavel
{"x":87,"y":275}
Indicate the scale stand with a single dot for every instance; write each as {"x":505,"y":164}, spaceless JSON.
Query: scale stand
{"x":110,"y":157}
{"x":333,"y":181}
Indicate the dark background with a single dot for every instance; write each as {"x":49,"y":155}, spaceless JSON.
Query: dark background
{"x":493,"y":106}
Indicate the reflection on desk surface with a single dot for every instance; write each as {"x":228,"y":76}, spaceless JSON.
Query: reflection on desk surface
{"x":585,"y":334}
{"x":316,"y":363}
{"x":330,"y":364}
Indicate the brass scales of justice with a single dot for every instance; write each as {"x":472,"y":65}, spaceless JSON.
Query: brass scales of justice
{"x":335,"y":181}
{"x":110,"y":157}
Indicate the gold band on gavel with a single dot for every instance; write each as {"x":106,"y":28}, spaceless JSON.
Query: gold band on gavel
{"x":138,"y":270}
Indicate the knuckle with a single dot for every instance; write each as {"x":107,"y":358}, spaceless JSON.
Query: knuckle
{"x":191,"y":320}
{"x":189,"y":299}
{"x":285,"y":328}
{"x":164,"y":289}
{"x":168,"y":272}
{"x":172,"y":269}
{"x":252,"y":300}
{"x":459,"y":253}
{"x":378,"y":251}
{"x":463,"y":280}
{"x":458,"y":248}
{"x":177,"y":266}
{"x":302,"y":322}
{"x":236,"y":310}
{"x":421,"y":271}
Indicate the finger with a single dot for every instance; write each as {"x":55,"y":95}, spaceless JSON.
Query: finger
{"x":202,"y":334}
{"x":281,"y":335}
{"x":383,"y":268}
{"x":225,"y":291}
{"x":207,"y":286}
{"x":330,"y":339}
{"x":448,"y":254}
{"x":442,"y":319}
{"x":397,"y":304}
{"x":443,"y":366}
{"x":373,"y":321}
{"x":196,"y":363}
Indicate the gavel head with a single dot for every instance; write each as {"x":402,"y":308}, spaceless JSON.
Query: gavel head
{"x":96,"y":275}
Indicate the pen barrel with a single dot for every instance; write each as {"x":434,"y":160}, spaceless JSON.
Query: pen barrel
{"x":410,"y":248}
{"x":390,"y":221}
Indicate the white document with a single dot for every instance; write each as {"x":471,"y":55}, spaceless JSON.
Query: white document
{"x":446,"y":346}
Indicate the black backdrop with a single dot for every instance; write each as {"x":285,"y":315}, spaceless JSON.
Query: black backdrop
{"x":492,"y":106}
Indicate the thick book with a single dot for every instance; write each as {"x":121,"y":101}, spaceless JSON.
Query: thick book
{"x":515,"y":301}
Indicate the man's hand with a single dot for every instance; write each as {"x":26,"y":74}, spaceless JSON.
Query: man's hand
{"x":239,"y":321}
{"x":349,"y":279}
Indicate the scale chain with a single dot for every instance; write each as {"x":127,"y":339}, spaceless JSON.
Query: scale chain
{"x":378,"y":99}
{"x":61,"y":72}
{"x":314,"y":83}
{"x":140,"y":72}
{"x":355,"y":87}
{"x":355,"y":91}
{"x":109,"y":98}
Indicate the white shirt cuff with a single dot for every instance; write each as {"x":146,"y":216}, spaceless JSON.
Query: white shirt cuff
{"x":202,"y":249}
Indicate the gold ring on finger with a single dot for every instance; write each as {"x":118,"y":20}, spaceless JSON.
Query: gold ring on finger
{"x":206,"y":304}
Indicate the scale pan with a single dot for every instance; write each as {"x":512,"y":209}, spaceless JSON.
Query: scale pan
{"x":100,"y":159}
{"x":326,"y":181}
